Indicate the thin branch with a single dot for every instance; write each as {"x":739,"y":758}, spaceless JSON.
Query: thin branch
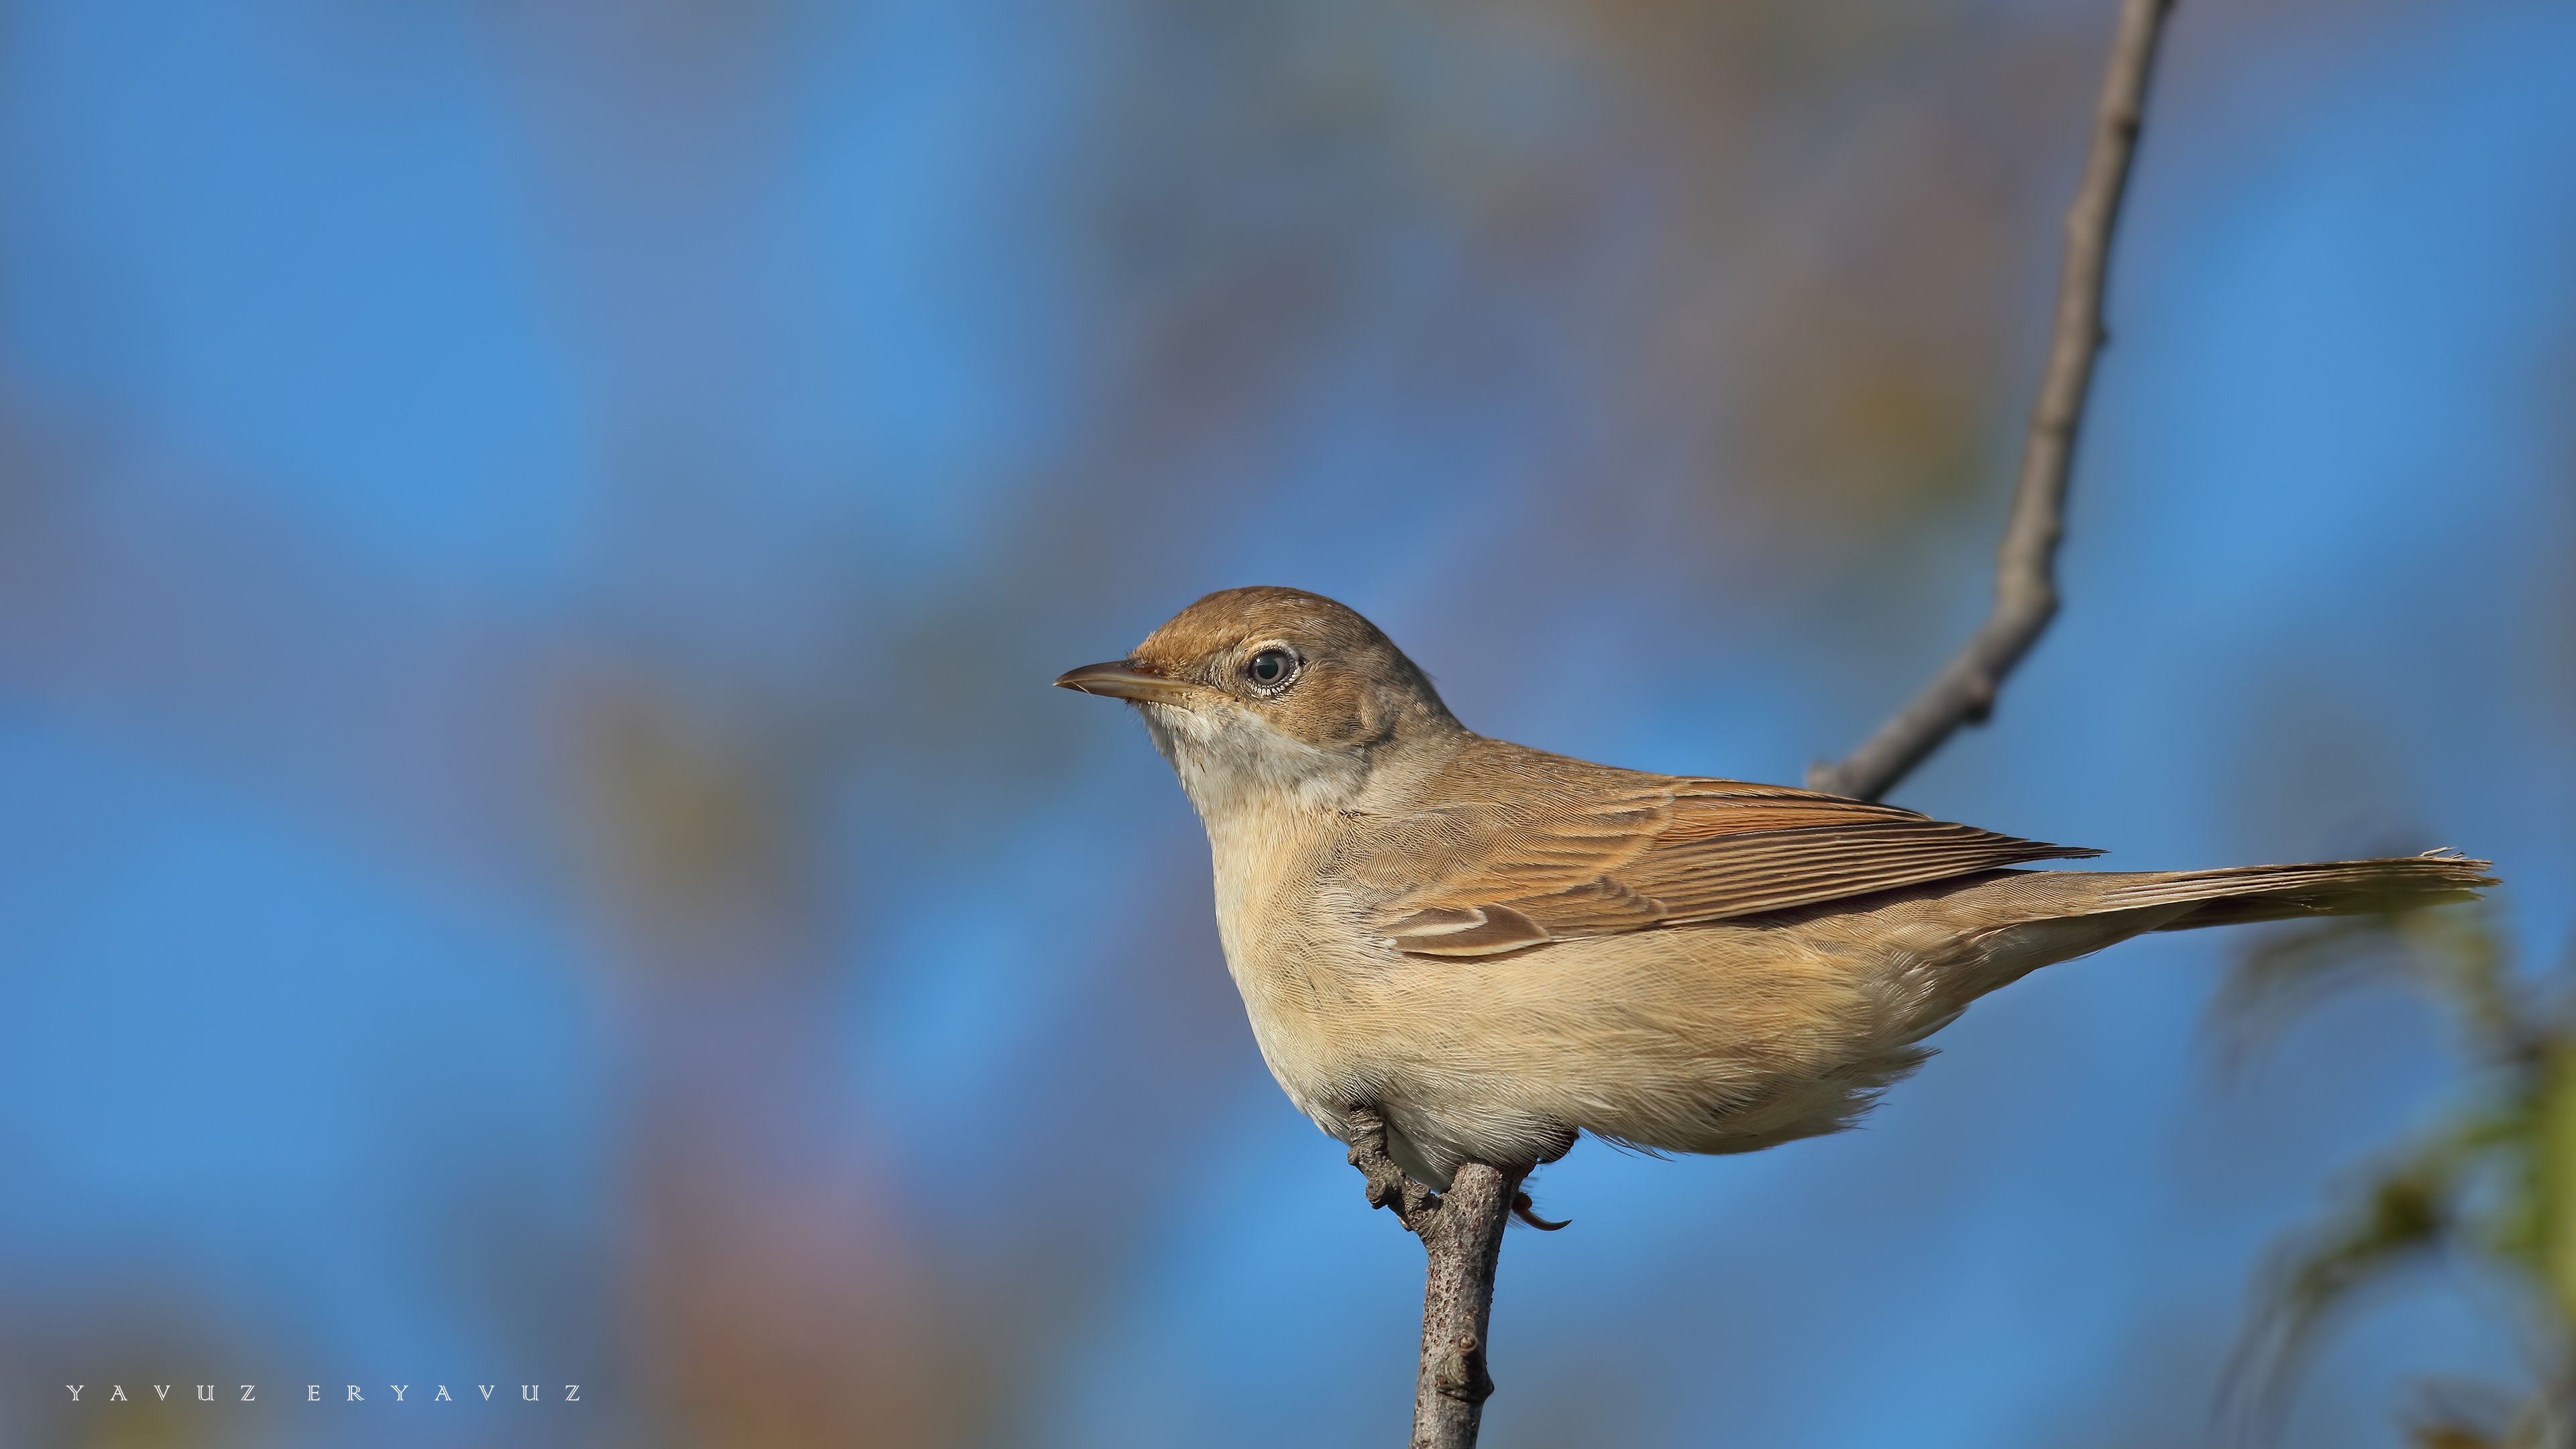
{"x":2026,"y":565}
{"x":1462,"y":1233}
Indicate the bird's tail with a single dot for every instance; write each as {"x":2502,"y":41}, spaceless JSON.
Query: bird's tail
{"x":2247,"y":893}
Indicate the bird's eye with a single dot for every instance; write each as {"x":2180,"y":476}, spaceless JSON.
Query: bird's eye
{"x":1270,"y":667}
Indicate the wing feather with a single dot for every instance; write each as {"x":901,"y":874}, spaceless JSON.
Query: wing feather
{"x":1635,"y":852}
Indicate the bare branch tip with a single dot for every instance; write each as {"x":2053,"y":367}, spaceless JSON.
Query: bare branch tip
{"x":2026,"y":563}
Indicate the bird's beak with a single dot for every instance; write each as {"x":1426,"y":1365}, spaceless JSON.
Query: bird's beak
{"x":1121,"y":679}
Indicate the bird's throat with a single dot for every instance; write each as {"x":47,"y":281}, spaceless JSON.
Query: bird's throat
{"x":1236,"y":769}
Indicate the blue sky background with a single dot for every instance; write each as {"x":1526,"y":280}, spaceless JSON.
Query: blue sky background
{"x":534,"y":846}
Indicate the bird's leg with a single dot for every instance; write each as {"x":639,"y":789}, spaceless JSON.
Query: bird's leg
{"x":1415,"y":1206}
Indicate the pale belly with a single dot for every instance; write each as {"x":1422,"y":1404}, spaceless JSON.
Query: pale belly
{"x":1707,"y":1039}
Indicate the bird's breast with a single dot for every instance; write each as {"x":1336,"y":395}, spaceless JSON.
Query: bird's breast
{"x":1297,"y":955}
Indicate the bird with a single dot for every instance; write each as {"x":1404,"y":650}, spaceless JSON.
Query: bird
{"x":1497,"y":950}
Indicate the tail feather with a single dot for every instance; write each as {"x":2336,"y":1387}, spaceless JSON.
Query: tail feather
{"x":2248,"y":893}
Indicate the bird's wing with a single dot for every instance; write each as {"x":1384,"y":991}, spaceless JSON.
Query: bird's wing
{"x":1634,"y":852}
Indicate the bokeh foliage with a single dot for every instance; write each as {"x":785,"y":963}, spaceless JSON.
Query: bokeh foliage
{"x":2486,"y":1189}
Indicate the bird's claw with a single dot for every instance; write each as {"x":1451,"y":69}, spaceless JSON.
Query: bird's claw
{"x":1525,"y":1210}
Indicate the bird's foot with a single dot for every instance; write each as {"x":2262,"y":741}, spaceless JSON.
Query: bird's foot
{"x":1388,"y":1187}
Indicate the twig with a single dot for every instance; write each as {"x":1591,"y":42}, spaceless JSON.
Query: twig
{"x":2026,"y":565}
{"x":1462,"y":1232}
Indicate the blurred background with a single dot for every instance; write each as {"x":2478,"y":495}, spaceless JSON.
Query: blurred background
{"x":535,"y":846}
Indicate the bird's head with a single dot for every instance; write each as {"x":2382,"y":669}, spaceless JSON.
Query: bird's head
{"x":1261,"y":690}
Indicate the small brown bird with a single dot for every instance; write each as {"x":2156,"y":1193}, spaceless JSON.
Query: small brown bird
{"x":1500,"y":948}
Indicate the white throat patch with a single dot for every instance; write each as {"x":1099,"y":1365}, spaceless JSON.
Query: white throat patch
{"x":1232,"y":762}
